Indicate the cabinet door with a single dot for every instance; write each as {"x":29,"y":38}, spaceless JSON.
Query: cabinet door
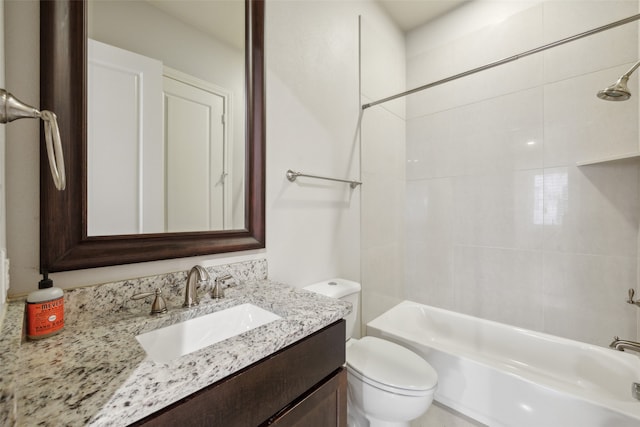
{"x":324,"y":406}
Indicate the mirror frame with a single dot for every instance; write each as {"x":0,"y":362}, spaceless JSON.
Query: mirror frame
{"x":64,"y":244}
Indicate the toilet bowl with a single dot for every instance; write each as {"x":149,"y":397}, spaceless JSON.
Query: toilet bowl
{"x":388,"y":385}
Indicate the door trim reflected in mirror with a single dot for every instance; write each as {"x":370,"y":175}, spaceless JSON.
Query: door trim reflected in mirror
{"x":64,"y":244}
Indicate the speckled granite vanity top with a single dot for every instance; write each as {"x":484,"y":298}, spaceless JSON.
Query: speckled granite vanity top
{"x":96,"y":373}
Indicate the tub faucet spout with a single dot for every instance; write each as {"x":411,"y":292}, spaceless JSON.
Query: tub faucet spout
{"x":621,"y":345}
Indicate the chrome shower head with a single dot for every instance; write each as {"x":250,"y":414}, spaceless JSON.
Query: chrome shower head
{"x":619,"y":90}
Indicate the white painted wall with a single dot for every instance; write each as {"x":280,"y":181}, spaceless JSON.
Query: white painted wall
{"x":4,"y":282}
{"x":313,"y":228}
{"x":22,"y":150}
{"x":313,"y":97}
{"x":501,"y":223}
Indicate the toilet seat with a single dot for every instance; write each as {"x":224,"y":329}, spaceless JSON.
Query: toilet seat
{"x":390,"y":367}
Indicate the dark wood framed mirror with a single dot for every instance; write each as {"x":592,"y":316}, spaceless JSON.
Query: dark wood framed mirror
{"x":64,"y":243}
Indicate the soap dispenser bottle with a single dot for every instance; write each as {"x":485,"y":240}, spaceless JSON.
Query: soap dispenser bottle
{"x":45,"y":310}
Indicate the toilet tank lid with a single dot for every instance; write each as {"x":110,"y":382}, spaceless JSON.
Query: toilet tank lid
{"x":335,"y":288}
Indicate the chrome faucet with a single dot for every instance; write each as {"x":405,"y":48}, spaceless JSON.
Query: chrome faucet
{"x":635,"y":391}
{"x":630,"y":300}
{"x":190,"y":292}
{"x":621,"y":345}
{"x":159,"y":305}
{"x":220,"y":282}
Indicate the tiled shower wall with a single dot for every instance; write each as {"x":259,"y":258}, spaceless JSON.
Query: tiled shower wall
{"x":500,"y":222}
{"x":383,"y":135}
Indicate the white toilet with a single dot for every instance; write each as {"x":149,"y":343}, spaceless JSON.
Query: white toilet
{"x":389,"y":385}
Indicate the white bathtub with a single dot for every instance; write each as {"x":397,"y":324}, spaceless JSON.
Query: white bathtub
{"x":502,"y":375}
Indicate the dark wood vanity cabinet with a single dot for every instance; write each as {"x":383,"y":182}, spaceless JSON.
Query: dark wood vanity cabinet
{"x":303,"y":384}
{"x":325,"y":405}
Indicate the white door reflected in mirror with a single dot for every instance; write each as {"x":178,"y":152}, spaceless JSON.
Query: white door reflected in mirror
{"x":125,"y":154}
{"x":197,"y":193}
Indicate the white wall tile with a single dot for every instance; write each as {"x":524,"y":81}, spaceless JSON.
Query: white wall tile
{"x":596,"y":52}
{"x":383,"y":278}
{"x":515,"y":232}
{"x":501,"y":134}
{"x":432,"y":151}
{"x":429,"y":227}
{"x":383,"y":143}
{"x":500,"y":210}
{"x":584,"y":15}
{"x":584,"y":297}
{"x":499,"y":284}
{"x":520,"y":32}
{"x":591,"y":210}
{"x":374,"y":303}
{"x":430,"y":66}
{"x":384,"y":198}
{"x":579,"y":126}
{"x":429,"y":274}
{"x":500,"y":40}
{"x":428,"y":212}
{"x":570,"y":60}
{"x":383,"y":133}
{"x":523,"y":74}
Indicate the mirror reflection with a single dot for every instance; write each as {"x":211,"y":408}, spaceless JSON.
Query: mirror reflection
{"x":166,"y":140}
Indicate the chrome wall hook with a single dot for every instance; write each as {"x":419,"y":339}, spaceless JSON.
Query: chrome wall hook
{"x":11,"y":108}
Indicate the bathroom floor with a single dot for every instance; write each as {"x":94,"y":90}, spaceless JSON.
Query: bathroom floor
{"x":441,"y":416}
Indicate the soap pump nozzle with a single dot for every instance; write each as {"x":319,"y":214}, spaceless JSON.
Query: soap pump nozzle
{"x":45,"y":282}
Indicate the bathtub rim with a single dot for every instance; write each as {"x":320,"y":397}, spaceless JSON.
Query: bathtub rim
{"x":607,"y":403}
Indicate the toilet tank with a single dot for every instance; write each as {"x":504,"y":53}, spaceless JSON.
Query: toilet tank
{"x":345,"y":290}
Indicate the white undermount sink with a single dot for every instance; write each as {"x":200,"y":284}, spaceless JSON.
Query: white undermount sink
{"x":165,"y":344}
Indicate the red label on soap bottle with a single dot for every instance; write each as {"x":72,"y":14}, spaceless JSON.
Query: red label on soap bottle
{"x":45,"y":318}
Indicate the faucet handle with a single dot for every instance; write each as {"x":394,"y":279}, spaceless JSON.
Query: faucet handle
{"x":220,"y":282}
{"x":632,"y":292}
{"x":158,"y":306}
{"x":227,"y":280}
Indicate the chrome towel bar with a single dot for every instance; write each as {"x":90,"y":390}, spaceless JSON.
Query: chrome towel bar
{"x":291,"y":176}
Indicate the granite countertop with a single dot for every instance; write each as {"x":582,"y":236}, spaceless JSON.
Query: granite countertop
{"x":95,"y":373}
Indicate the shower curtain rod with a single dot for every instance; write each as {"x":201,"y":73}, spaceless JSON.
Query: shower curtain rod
{"x":507,"y":60}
